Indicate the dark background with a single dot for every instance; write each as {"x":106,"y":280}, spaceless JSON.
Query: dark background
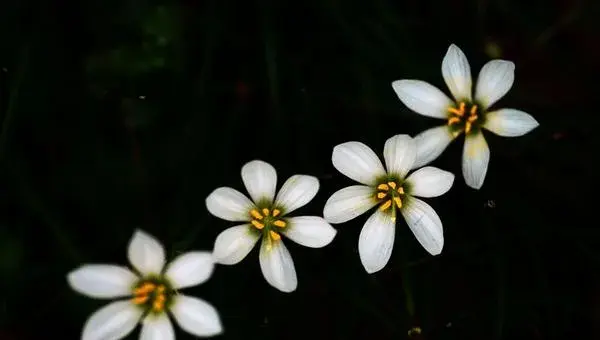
{"x":118,"y":115}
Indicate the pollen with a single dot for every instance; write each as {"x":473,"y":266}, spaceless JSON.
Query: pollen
{"x":279,"y":223}
{"x":386,"y":205}
{"x":381,"y":195}
{"x":392,"y":185}
{"x":383,"y":186}
{"x":462,"y":117}
{"x":254,"y":213}
{"x":398,"y":202}
{"x":151,"y":294}
{"x":276,"y":212}
{"x":265,"y":211}
{"x":274,"y":236}
{"x":257,"y":224}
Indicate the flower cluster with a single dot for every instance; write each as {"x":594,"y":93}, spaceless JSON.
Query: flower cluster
{"x":151,"y":289}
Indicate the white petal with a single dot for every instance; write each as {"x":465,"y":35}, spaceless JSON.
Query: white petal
{"x":399,"y":153}
{"x":423,"y":98}
{"x":430,"y":182}
{"x":112,"y":322}
{"x":431,"y":144}
{"x":102,"y":281}
{"x":260,"y":179}
{"x":233,"y":244}
{"x":296,"y":192}
{"x":196,"y":316}
{"x":190,"y":269}
{"x":229,"y":204}
{"x":146,"y":254}
{"x":349,"y":203}
{"x":425,"y":224}
{"x":457,"y":73}
{"x":475,"y":159}
{"x":309,"y":231}
{"x":376,"y":241}
{"x":277,"y":265}
{"x":509,"y":122}
{"x":495,"y":79}
{"x":157,"y":327}
{"x":358,"y":162}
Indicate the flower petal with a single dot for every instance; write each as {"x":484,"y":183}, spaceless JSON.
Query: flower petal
{"x":358,"y":162}
{"x":277,"y":265}
{"x":296,"y":192}
{"x":457,"y":73}
{"x":260,"y":179}
{"x":430,"y":182}
{"x":102,"y":281}
{"x":431,"y":144}
{"x":475,"y":159}
{"x":425,"y":224}
{"x":229,"y":204}
{"x":190,"y":269}
{"x":495,"y":79}
{"x":423,"y":98}
{"x":309,"y":231}
{"x":146,"y":254}
{"x":113,"y":321}
{"x":399,"y":152}
{"x":196,"y":316}
{"x":233,"y":244}
{"x":157,"y":327}
{"x":510,"y":122}
{"x":349,"y":203}
{"x":376,"y":241}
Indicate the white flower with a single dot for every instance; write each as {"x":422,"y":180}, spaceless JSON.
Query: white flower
{"x":150,"y":291}
{"x":464,"y":113}
{"x":267,"y":216}
{"x":393,"y":192}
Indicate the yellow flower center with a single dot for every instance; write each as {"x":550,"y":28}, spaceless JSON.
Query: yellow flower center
{"x":390,"y":195}
{"x":269,"y":222}
{"x":464,"y":115}
{"x":152,"y":294}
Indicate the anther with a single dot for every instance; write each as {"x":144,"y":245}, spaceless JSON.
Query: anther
{"x":279,"y":223}
{"x":473,"y":109}
{"x":265,"y":211}
{"x":257,"y":224}
{"x":401,"y":190}
{"x":381,"y":195}
{"x":386,"y":205}
{"x":472,"y":118}
{"x":383,"y":186}
{"x":453,"y":120}
{"x":460,"y":111}
{"x":392,"y":185}
{"x":276,"y":212}
{"x":138,"y":300}
{"x":144,"y":289}
{"x":398,"y":202}
{"x":274,"y":236}
{"x":467,"y":127}
{"x":256,"y":214}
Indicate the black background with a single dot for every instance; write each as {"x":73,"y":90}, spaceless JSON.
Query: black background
{"x":119,"y":115}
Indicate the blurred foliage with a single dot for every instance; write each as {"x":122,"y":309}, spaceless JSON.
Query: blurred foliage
{"x":126,"y":114}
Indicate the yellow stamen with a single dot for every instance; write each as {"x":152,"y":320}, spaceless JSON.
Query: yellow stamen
{"x":453,"y":120}
{"x":467,"y":127}
{"x":160,"y":289}
{"x":159,"y":303}
{"x":401,"y":190}
{"x":279,"y":223}
{"x":257,"y":224}
{"x":274,"y":236}
{"x":381,"y":195}
{"x":392,"y":185}
{"x":398,"y":202}
{"x":276,"y":212}
{"x":256,"y":214}
{"x":383,"y":186}
{"x":138,"y":300}
{"x":144,"y":289}
{"x":473,"y":109}
{"x":265,"y":211}
{"x":472,"y":118}
{"x":460,"y":111}
{"x":386,"y":205}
